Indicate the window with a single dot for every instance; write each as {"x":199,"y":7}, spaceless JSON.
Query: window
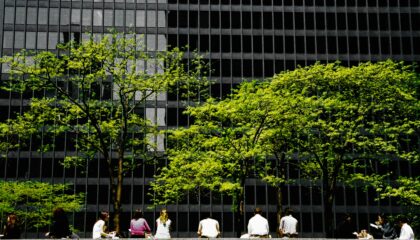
{"x":374,"y":45}
{"x":236,"y":19}
{"x":406,"y":44}
{"x":288,"y":20}
{"x":193,"y":19}
{"x":332,"y":45}
{"x":341,"y":21}
{"x":309,"y":21}
{"x":97,"y":17}
{"x":310,"y":45}
{"x":353,"y":47}
{"x":320,"y":21}
{"x":278,"y":20}
{"x":278,"y":44}
{"x":257,"y":44}
{"x":320,"y":44}
{"x":395,"y":23}
{"x":8,"y":39}
{"x":299,"y":20}
{"x":352,"y":21}
{"x":256,"y":20}
{"x":246,"y":20}
{"x":331,"y":21}
{"x":214,"y":19}
{"x":119,"y":18}
{"x":383,"y":21}
{"x":405,"y":22}
{"x":204,"y":19}
{"x":300,"y":44}
{"x":373,"y":21}
{"x":32,"y":15}
{"x":396,"y":49}
{"x":363,"y":45}
{"x":268,"y":44}
{"x":342,"y":45}
{"x":385,"y":45}
{"x":9,"y":15}
{"x":182,"y":19}
{"x":362,"y":21}
{"x":246,"y":40}
{"x":109,"y":15}
{"x":225,"y":20}
{"x":267,"y":20}
{"x":225,"y":43}
{"x":53,"y":16}
{"x":289,"y":44}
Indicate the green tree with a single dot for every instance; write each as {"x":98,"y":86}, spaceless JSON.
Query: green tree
{"x":73,"y":85}
{"x":34,"y":202}
{"x":348,"y":119}
{"x":219,"y":151}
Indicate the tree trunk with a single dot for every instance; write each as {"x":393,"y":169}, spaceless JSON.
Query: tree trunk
{"x":238,"y":213}
{"x":279,"y":207}
{"x":117,"y":200}
{"x":328,"y":196}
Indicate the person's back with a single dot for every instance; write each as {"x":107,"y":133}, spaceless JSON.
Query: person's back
{"x":139,"y":227}
{"x":60,"y":227}
{"x":406,"y":232}
{"x":163,"y":225}
{"x":346,"y":228}
{"x":208,"y":228}
{"x":258,"y":225}
{"x":288,"y":226}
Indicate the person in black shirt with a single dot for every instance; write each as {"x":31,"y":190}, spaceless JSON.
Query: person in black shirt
{"x":11,"y":230}
{"x":385,"y":230}
{"x":60,"y":227}
{"x":346,"y":228}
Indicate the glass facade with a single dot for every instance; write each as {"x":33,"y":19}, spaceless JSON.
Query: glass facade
{"x":241,"y":39}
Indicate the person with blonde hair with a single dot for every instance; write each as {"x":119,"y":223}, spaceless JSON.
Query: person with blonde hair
{"x":163,"y":225}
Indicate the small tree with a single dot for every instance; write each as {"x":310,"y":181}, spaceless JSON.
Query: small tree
{"x":219,"y":151}
{"x":109,"y":127}
{"x":349,"y":118}
{"x":34,"y":202}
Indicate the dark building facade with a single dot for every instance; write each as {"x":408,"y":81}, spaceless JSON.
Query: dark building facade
{"x":242,"y":39}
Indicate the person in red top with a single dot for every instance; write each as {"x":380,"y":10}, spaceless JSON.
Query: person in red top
{"x":138,"y":225}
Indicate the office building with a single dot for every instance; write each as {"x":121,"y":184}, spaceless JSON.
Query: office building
{"x":242,"y":39}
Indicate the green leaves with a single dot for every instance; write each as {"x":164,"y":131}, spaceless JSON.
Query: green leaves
{"x":34,"y":202}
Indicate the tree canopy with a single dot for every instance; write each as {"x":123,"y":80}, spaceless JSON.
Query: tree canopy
{"x":33,"y":202}
{"x":334,"y":123}
{"x":98,"y":91}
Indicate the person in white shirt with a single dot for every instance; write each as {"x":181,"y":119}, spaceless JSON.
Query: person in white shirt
{"x":406,"y":232}
{"x":288,"y":225}
{"x":163,"y":224}
{"x":258,"y":225}
{"x":208,"y":228}
{"x":99,"y":229}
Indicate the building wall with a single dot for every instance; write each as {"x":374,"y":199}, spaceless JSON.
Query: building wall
{"x":242,"y":39}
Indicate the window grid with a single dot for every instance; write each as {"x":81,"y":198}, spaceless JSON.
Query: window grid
{"x":262,"y":60}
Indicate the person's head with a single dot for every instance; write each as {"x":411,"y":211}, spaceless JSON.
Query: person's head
{"x":11,"y":219}
{"x":104,"y":215}
{"x":288,"y":211}
{"x":402,"y":220}
{"x":163,"y":216}
{"x":347,"y":217}
{"x":59,"y":213}
{"x":382,"y":218}
{"x":257,"y":211}
{"x":138,"y":214}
